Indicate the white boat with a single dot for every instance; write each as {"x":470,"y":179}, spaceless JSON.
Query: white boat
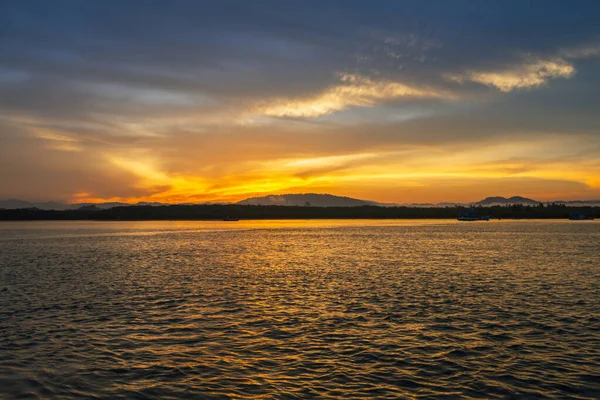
{"x":580,"y":217}
{"x":471,"y":215}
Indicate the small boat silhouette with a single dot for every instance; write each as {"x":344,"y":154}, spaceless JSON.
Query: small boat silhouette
{"x":471,"y":215}
{"x":230,"y":219}
{"x":580,"y":217}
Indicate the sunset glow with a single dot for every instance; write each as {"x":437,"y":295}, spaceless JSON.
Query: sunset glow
{"x":299,"y":199}
{"x":375,"y":109}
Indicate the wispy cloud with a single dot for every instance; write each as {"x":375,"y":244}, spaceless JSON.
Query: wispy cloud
{"x":591,"y":49}
{"x":48,"y":135}
{"x":212,"y":102}
{"x":352,"y":90}
{"x":531,"y":71}
{"x":57,"y":141}
{"x":529,"y":74}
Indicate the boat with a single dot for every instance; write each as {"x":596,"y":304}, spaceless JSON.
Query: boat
{"x":471,"y":215}
{"x":580,"y":217}
{"x":230,"y":219}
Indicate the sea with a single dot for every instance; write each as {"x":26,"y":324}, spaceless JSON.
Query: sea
{"x":323,"y":309}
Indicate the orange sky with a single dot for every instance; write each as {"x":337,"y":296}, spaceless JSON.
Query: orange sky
{"x":356,"y":102}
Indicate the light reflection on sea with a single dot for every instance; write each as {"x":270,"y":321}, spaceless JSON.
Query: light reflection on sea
{"x":300,"y":309}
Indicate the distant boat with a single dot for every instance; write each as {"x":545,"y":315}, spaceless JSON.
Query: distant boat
{"x":471,"y":215}
{"x":230,"y":219}
{"x":580,"y":217}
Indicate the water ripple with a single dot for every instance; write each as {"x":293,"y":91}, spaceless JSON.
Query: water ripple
{"x":328,"y":309}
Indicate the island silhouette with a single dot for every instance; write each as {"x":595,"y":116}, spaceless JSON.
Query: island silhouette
{"x":295,"y":206}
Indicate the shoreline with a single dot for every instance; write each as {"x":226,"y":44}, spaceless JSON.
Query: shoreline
{"x":232,"y":213}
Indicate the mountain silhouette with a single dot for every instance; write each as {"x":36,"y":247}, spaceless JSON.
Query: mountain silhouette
{"x":307,"y":199}
{"x":488,"y":201}
{"x":298,"y":199}
{"x":16,"y":203}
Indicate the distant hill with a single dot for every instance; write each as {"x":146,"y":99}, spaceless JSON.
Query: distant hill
{"x":102,"y":206}
{"x":303,"y":199}
{"x":498,"y":200}
{"x":15,"y":203}
{"x":105,"y":206}
{"x":578,"y":203}
{"x":426,"y":205}
{"x":307,"y":199}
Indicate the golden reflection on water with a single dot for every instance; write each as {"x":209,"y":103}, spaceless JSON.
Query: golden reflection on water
{"x":254,"y":224}
{"x":299,"y":309}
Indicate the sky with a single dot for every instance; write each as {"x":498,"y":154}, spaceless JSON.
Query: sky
{"x":393,"y":101}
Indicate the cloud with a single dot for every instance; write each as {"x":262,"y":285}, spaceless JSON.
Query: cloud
{"x":219,"y":101}
{"x":531,"y":71}
{"x":57,"y":141}
{"x":583,"y":51}
{"x":329,"y":161}
{"x":44,"y":134}
{"x":352,"y":90}
{"x":527,"y":75}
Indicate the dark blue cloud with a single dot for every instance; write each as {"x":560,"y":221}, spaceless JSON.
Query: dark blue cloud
{"x":53,"y":54}
{"x":180,"y":33}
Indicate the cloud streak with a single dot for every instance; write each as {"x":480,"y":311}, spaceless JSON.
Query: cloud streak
{"x":531,"y":72}
{"x":527,"y":75}
{"x":219,"y":101}
{"x":352,"y":91}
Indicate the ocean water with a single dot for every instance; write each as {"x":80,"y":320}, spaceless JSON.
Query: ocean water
{"x":300,"y":309}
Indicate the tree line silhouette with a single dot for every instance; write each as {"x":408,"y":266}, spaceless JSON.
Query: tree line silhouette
{"x":222,"y":211}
